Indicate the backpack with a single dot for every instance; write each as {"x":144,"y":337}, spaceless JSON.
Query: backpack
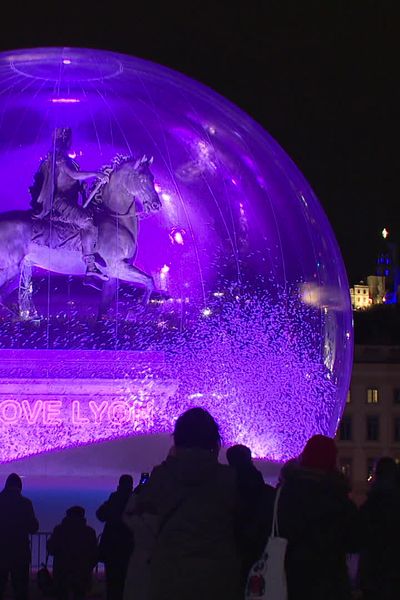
{"x":267,"y":577}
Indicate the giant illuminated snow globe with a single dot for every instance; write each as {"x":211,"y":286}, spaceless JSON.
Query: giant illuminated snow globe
{"x":156,"y":239}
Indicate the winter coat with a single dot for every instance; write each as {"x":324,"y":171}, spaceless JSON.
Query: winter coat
{"x":73,"y":545}
{"x":379,"y":571}
{"x":17,"y":521}
{"x":321,"y":525}
{"x":144,"y":528}
{"x":255,"y":519}
{"x":195,"y":555}
{"x":116,"y":542}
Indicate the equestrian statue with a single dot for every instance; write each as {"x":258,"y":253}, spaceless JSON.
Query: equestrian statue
{"x":81,"y":223}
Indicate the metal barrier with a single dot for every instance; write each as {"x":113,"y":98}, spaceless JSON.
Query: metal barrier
{"x":38,"y":542}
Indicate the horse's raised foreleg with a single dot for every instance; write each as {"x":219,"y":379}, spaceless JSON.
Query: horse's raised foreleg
{"x":18,"y":277}
{"x":127,"y":272}
{"x":27,"y":309}
{"x":108,"y":291}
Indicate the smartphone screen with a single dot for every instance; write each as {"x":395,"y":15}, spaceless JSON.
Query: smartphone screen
{"x":144,"y":477}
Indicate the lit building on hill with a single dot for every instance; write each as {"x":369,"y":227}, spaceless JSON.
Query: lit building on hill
{"x":383,"y":287}
{"x":360,"y":298}
{"x":387,"y":266}
{"x":364,"y":296}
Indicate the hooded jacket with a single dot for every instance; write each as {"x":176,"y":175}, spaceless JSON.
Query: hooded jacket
{"x":74,"y":547}
{"x":195,"y":555}
{"x":17,"y":521}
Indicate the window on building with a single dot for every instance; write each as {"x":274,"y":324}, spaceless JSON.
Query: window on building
{"x":396,"y":396}
{"x":370,"y":467}
{"x":346,"y":467}
{"x":372,"y":428}
{"x":396,"y":429}
{"x":372,"y":396}
{"x":346,"y":429}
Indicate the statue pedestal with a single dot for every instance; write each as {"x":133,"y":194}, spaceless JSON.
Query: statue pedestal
{"x":53,"y":400}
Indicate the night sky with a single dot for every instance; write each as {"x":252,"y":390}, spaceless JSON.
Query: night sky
{"x":321,"y":77}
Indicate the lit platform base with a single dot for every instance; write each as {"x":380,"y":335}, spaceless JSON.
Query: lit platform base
{"x":52,"y":400}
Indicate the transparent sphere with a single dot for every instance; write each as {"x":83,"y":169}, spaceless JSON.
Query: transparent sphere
{"x":225,"y":279}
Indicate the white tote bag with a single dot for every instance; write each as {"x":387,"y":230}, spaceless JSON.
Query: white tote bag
{"x":267,"y":577}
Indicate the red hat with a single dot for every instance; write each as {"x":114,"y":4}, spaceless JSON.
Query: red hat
{"x":320,"y":452}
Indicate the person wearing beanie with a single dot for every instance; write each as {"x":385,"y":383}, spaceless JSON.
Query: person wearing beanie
{"x":17,"y":522}
{"x":320,"y":452}
{"x":320,"y":522}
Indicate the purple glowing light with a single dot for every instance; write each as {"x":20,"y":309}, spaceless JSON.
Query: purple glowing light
{"x":177,"y":235}
{"x":65,"y":100}
{"x":251,"y":314}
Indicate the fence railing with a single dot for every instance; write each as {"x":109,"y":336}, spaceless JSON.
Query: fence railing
{"x":38,"y":542}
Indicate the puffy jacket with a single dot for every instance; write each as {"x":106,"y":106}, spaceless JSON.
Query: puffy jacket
{"x":322,"y":525}
{"x":195,"y":554}
{"x":74,"y":547}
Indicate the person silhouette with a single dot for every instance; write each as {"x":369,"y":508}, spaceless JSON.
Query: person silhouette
{"x":17,"y":522}
{"x":256,"y":506}
{"x":73,"y":544}
{"x":194,"y":500}
{"x":378,"y":572}
{"x":116,"y":542}
{"x":320,"y":522}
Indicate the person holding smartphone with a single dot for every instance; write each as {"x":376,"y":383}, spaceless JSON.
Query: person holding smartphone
{"x":144,"y":477}
{"x":190,"y":504}
{"x":116,"y":543}
{"x":144,"y":526}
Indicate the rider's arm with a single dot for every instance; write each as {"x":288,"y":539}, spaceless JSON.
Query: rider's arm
{"x":83,"y":175}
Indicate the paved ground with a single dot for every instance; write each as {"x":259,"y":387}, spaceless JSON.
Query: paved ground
{"x":97,"y":592}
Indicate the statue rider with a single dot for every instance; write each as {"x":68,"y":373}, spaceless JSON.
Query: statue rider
{"x":57,"y":186}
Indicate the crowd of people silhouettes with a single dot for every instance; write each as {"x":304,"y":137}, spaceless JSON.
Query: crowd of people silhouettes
{"x":194,"y":529}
